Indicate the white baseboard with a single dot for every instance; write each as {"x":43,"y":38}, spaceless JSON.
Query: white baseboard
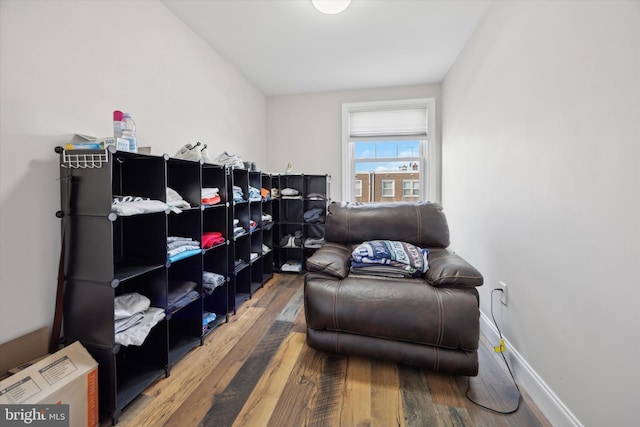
{"x":548,"y":402}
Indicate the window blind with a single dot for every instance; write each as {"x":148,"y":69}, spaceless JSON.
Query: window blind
{"x":407,"y":122}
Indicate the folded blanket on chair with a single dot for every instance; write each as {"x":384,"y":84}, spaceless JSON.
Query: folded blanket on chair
{"x":381,"y":271}
{"x":401,"y":255}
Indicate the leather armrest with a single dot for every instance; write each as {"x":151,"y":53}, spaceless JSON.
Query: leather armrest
{"x":332,"y":259}
{"x":448,"y":269}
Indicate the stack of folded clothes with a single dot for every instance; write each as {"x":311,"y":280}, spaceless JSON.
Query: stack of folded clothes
{"x":265,"y":194}
{"x":389,"y":258}
{"x":316,"y":196}
{"x":210,"y":281}
{"x":210,"y":196}
{"x":180,"y":294}
{"x":290,"y":193}
{"x":130,"y":205}
{"x":175,"y":201}
{"x":292,"y":240}
{"x":134,"y":318}
{"x":238,"y":194}
{"x":254,"y":194}
{"x":292,"y":266}
{"x":314,"y":215}
{"x":181,"y":247}
{"x":208,"y":319}
{"x":211,"y":239}
{"x":237,"y":229}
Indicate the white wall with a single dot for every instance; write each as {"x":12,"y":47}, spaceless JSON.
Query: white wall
{"x":306,"y":130}
{"x":65,"y":66}
{"x":541,"y":185}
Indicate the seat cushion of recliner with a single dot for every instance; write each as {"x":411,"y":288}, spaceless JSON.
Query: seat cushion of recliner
{"x":398,"y":309}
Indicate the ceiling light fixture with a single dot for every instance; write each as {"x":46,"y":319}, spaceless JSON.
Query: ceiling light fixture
{"x":331,"y":7}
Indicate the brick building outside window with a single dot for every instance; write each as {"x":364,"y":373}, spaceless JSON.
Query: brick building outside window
{"x":389,"y":185}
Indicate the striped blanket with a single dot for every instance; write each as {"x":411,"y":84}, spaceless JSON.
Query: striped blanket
{"x":389,"y":258}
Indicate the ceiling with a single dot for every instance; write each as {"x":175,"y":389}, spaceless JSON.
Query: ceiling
{"x":288,"y":47}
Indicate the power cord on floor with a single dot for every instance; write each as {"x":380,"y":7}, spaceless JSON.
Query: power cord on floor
{"x":498,"y":349}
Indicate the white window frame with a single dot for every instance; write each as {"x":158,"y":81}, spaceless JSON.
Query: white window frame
{"x":412,"y":181}
{"x":356,"y":192}
{"x":393,"y":188}
{"x":429,"y":165}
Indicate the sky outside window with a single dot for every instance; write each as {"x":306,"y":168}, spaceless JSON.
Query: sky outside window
{"x":371,"y":150}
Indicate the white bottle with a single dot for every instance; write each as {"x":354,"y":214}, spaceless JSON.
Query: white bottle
{"x":129,"y":132}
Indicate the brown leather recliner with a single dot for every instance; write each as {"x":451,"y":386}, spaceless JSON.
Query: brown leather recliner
{"x":430,"y":321}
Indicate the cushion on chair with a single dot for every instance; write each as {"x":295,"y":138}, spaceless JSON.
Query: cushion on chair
{"x":393,"y":309}
{"x":422,"y":224}
{"x":449,"y":269}
{"x":332,"y":259}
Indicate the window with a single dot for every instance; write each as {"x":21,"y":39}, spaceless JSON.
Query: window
{"x":358,"y":188}
{"x":410,"y":188}
{"x":388,"y":188}
{"x":388,"y":142}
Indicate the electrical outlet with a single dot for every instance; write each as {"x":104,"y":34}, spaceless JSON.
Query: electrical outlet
{"x":503,"y":294}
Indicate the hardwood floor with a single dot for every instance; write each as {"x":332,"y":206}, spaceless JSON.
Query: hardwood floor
{"x":256,"y":370}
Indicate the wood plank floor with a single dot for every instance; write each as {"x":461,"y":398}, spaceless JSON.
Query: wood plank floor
{"x":256,"y":370}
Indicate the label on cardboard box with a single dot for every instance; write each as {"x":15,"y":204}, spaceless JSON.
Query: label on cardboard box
{"x":21,"y":390}
{"x":58,"y":370}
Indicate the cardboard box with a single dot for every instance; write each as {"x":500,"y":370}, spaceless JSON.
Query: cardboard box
{"x":69,"y":376}
{"x":23,"y":349}
{"x":25,"y":365}
{"x":121,"y":144}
